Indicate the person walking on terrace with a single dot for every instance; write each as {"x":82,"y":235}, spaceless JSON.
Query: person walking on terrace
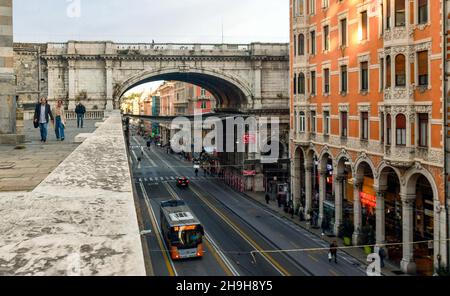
{"x":80,"y":110}
{"x":60,"y":120}
{"x":42,"y":116}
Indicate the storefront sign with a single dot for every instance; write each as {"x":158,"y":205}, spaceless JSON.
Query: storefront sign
{"x":368,"y":200}
{"x":249,"y":173}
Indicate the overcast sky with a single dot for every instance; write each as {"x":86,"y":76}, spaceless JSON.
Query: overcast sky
{"x":243,"y":21}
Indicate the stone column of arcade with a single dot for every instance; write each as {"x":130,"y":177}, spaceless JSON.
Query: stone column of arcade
{"x":308,"y":187}
{"x":8,"y":104}
{"x":408,"y":265}
{"x":357,"y":211}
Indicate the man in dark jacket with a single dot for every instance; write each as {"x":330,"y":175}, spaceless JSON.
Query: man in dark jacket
{"x":42,"y":116}
{"x":80,"y":110}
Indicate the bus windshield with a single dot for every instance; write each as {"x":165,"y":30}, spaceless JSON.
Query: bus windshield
{"x":187,"y":237}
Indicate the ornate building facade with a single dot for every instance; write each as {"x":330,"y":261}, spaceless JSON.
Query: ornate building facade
{"x":367,"y":124}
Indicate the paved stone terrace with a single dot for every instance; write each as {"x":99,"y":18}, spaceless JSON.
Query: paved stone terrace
{"x":81,"y":220}
{"x":30,"y":166}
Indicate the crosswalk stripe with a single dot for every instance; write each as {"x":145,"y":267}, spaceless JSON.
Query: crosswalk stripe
{"x":151,"y":179}
{"x":172,"y":178}
{"x":162,"y":179}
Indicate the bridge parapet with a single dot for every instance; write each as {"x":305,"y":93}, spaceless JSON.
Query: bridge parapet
{"x":178,"y":49}
{"x":81,"y":220}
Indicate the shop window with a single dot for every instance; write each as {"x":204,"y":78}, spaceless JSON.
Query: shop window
{"x":344,"y":78}
{"x":301,"y":44}
{"x":364,"y":76}
{"x":388,"y":129}
{"x":301,"y":84}
{"x":388,"y":72}
{"x":400,"y":70}
{"x":422,"y":60}
{"x":400,"y":13}
{"x":422,"y":12}
{"x":401,"y":130}
{"x":344,"y":124}
{"x":423,"y":130}
{"x":364,"y":126}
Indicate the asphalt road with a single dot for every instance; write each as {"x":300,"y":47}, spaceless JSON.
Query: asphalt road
{"x":242,"y":236}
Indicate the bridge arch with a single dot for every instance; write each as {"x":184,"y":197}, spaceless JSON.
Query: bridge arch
{"x":231,"y":92}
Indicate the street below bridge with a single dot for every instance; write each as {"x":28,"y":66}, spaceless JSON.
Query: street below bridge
{"x":242,"y":237}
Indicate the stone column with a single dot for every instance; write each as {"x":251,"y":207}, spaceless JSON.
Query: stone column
{"x":72,"y":81}
{"x":308,"y":188}
{"x":408,"y":265}
{"x":8,"y":104}
{"x":322,"y":192}
{"x":338,"y":203}
{"x":357,"y":209}
{"x":295,"y":172}
{"x":381,"y":217}
{"x":257,"y":82}
{"x":109,"y":85}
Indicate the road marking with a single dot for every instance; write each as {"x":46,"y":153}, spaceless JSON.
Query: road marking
{"x":169,"y":263}
{"x":313,"y":258}
{"x":221,"y":258}
{"x":250,"y":241}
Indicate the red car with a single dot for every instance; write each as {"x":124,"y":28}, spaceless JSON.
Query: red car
{"x":183,"y":182}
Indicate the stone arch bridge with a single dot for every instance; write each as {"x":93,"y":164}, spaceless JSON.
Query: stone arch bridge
{"x":249,"y":78}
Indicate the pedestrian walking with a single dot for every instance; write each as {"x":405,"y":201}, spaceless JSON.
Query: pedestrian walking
{"x":80,"y":110}
{"x":60,"y":120}
{"x":42,"y":116}
{"x":267,"y":198}
{"x":149,"y":143}
{"x":333,"y":252}
{"x":196,"y":172}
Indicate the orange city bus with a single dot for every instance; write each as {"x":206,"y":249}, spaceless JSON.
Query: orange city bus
{"x":181,"y":230}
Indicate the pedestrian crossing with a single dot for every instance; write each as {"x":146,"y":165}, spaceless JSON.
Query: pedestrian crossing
{"x":170,"y":179}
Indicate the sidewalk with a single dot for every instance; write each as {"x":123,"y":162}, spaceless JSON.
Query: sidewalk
{"x":24,"y":168}
{"x":358,"y":254}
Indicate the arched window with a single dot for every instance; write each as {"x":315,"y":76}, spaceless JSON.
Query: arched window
{"x":295,"y":84}
{"x":400,"y":13}
{"x":389,"y":129}
{"x":301,"y":44}
{"x":400,"y":70}
{"x":401,"y":130}
{"x":388,"y":71}
{"x":301,"y":83}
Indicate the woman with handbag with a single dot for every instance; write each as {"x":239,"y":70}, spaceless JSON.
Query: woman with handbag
{"x":60,"y":120}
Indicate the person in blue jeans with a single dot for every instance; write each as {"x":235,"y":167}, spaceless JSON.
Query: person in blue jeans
{"x":42,"y":116}
{"x":80,"y":110}
{"x":60,"y":121}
